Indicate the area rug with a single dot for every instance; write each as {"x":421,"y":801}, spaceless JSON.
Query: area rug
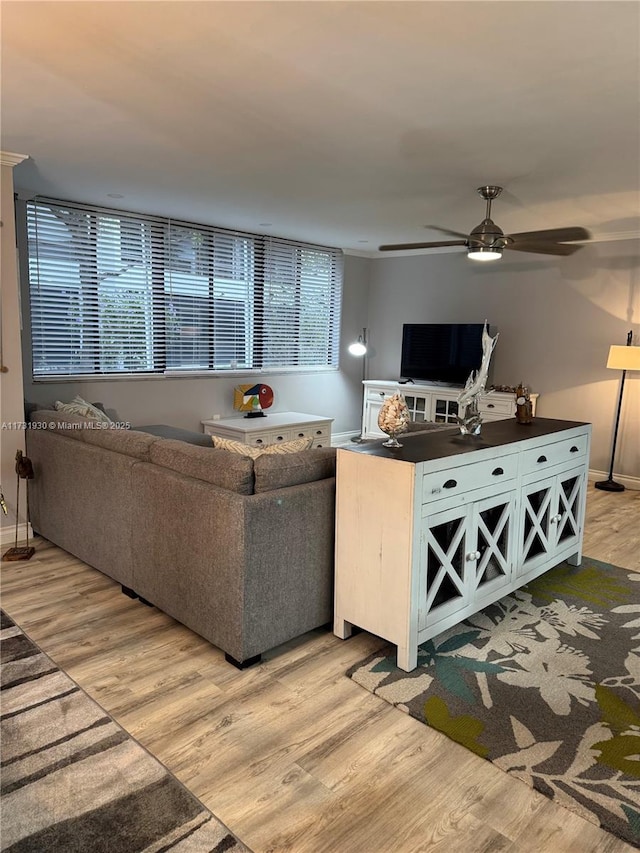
{"x":74,"y":781}
{"x":545,"y":684}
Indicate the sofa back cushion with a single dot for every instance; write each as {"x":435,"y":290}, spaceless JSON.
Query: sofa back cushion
{"x":126,"y":441}
{"x":61,"y":422}
{"x":221,"y":468}
{"x":293,"y":469}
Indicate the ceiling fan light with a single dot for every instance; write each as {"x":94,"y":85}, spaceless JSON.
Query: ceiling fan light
{"x":484,"y":253}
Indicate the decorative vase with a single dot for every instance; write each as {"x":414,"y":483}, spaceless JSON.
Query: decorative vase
{"x":393,"y":419}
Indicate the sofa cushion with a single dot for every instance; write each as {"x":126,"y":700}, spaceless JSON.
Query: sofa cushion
{"x":62,"y":422}
{"x":294,"y":446}
{"x":274,"y":471}
{"x":165,"y":431}
{"x":229,"y":471}
{"x":78,"y":406}
{"x":126,"y":441}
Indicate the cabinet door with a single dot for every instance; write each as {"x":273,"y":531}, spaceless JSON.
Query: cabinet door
{"x":492,"y":546}
{"x":538,"y":530}
{"x":418,"y":405}
{"x":442,"y":574}
{"x":444,"y":410}
{"x":552,"y":517}
{"x":570,"y":503}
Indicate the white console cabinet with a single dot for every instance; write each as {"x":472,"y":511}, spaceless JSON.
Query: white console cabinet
{"x":434,"y":403}
{"x":434,"y":531}
{"x":272,"y":429}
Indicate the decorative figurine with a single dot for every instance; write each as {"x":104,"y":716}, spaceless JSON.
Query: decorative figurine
{"x":468,"y":417}
{"x":524,"y":407}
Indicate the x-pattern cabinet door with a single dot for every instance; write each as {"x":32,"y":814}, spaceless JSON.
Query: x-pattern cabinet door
{"x":466,"y":551}
{"x":552,"y":517}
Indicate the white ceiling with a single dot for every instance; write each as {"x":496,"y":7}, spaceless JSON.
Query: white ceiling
{"x":344,"y":123}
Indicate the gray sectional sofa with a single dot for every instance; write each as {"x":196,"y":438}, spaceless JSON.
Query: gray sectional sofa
{"x":240,"y":550}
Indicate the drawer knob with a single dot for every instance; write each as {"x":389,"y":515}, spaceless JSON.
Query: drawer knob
{"x":491,"y":405}
{"x":318,"y":432}
{"x":450,"y":484}
{"x":258,"y":441}
{"x":300,"y":435}
{"x":574,"y":449}
{"x":542,"y":459}
{"x":279,"y":438}
{"x":497,"y":471}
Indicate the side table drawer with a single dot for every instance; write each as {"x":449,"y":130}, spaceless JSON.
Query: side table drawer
{"x":539,"y":459}
{"x":466,"y":478}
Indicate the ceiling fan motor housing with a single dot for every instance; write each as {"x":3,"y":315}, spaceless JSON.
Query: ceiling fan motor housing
{"x":487,"y":234}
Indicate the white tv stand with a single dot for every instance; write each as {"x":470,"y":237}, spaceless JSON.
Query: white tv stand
{"x":434,"y":531}
{"x":437,"y":403}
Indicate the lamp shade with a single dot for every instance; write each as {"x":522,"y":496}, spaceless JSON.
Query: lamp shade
{"x":624,"y":358}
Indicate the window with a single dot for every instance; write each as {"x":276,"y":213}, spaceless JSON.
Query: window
{"x":114,"y":292}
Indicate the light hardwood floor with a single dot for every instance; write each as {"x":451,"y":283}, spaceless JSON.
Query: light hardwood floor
{"x":290,"y":754}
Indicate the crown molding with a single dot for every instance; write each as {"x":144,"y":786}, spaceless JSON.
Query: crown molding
{"x":9,"y":159}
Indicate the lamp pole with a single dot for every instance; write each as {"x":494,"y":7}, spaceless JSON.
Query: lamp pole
{"x":610,"y":485}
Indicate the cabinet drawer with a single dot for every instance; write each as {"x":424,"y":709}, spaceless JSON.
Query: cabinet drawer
{"x":458,"y":481}
{"x":260,"y":439}
{"x":569,"y":449}
{"x":315,"y":431}
{"x":491,"y":406}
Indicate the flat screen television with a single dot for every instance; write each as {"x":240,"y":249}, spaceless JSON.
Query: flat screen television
{"x":441,"y":352}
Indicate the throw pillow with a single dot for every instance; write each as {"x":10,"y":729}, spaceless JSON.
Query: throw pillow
{"x":294,"y":446}
{"x":78,"y":406}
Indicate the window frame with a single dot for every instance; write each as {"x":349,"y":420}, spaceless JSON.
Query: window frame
{"x":244,"y":249}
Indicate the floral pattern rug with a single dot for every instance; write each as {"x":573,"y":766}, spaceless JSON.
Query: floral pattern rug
{"x":545,"y":684}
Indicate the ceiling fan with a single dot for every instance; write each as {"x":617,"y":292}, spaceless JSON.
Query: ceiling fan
{"x":487,"y":241}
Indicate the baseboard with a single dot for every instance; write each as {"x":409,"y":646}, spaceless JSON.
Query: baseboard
{"x":628,"y":482}
{"x":8,"y":534}
{"x":340,"y":439}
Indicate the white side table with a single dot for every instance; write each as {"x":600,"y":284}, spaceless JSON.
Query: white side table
{"x":272,"y":429}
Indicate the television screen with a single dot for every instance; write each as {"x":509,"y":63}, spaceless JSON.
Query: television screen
{"x":441,"y":352}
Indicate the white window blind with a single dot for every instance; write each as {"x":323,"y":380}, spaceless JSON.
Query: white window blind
{"x":115,"y":292}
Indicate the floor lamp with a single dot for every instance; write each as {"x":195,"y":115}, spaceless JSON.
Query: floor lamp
{"x":359,"y":349}
{"x":620,"y":358}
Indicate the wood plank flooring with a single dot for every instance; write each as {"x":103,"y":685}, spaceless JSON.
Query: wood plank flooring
{"x":290,"y":754}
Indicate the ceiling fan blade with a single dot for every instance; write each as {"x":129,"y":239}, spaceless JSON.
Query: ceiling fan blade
{"x":399,"y":246}
{"x":446,"y":231}
{"x":541,"y":248}
{"x":552,"y":235}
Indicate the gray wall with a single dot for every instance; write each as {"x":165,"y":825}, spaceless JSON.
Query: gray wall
{"x":557,"y":318}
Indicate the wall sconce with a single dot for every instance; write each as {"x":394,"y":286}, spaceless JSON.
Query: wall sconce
{"x":359,"y":349}
{"x":620,"y":358}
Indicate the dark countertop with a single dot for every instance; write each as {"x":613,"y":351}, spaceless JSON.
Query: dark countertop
{"x":420,"y":447}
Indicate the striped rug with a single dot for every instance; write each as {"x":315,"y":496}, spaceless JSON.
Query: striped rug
{"x":73,"y":781}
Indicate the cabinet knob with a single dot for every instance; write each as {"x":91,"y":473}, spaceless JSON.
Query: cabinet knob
{"x":556,"y":518}
{"x":473,"y":555}
{"x":542,"y":459}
